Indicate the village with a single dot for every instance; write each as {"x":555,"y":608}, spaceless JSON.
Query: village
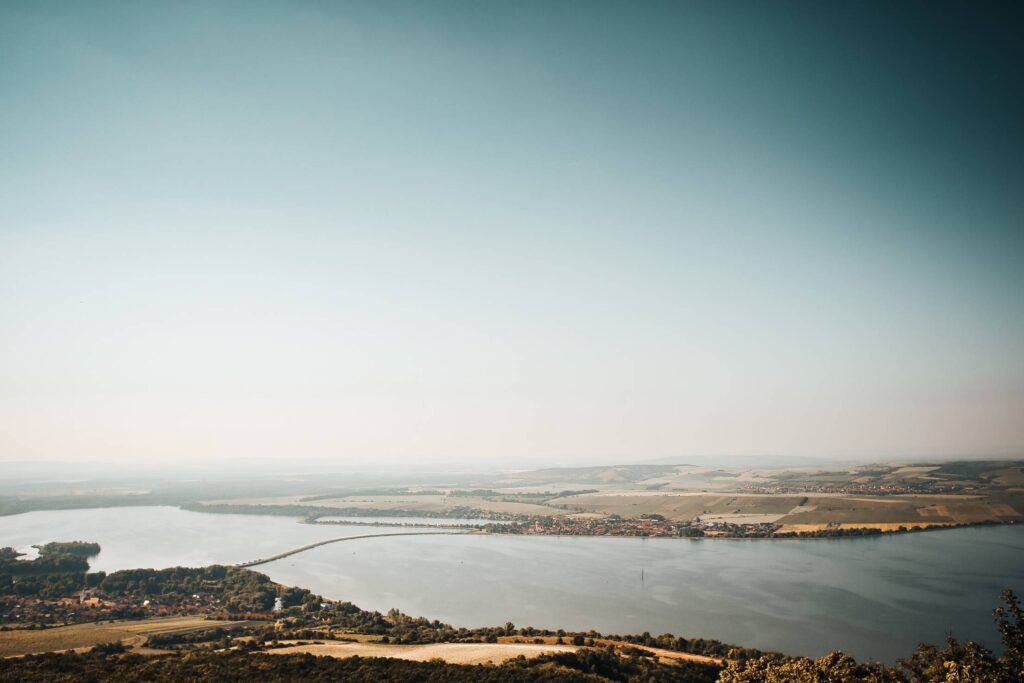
{"x":85,"y":606}
{"x":647,"y":526}
{"x":867,"y":489}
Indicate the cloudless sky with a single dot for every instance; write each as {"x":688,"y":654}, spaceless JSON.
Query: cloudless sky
{"x":530,"y":232}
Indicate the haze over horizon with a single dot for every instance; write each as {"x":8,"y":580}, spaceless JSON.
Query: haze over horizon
{"x":586,"y":232}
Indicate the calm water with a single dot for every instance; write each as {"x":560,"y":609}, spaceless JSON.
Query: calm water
{"x":873,"y":597}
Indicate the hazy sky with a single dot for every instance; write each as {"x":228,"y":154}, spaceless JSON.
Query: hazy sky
{"x":554,"y":231}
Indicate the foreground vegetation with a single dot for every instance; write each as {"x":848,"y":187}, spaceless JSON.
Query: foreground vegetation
{"x":955,"y":662}
{"x":591,"y":666}
{"x":240,"y":615}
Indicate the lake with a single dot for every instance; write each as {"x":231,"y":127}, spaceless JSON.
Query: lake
{"x":873,"y":597}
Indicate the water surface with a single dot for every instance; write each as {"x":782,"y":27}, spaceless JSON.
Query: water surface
{"x":873,"y":597}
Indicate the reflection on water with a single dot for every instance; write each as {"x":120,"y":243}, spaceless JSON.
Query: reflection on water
{"x":166,"y":536}
{"x":873,"y":597}
{"x":28,"y":552}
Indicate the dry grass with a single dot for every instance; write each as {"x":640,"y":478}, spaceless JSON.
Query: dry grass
{"x":682,"y":506}
{"x":863,"y":512}
{"x":1010,"y":476}
{"x":911,"y":471}
{"x":884,"y":526}
{"x":741,"y":518}
{"x":969,"y":513}
{"x":471,"y":653}
{"x":454,"y":653}
{"x":602,"y":642}
{"x":23,"y":642}
{"x":895,"y":511}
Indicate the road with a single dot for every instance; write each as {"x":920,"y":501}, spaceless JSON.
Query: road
{"x":310,"y":546}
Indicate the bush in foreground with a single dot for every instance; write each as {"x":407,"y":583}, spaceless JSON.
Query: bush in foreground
{"x":955,"y":663}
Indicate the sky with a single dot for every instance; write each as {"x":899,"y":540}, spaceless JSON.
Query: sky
{"x":520,"y":232}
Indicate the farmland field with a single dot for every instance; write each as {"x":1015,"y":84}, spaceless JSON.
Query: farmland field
{"x":22,"y":642}
{"x":454,"y":653}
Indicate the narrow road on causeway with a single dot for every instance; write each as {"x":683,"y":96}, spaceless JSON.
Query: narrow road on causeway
{"x":300,"y":549}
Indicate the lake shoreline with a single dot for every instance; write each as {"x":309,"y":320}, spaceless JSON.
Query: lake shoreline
{"x":878,"y":598}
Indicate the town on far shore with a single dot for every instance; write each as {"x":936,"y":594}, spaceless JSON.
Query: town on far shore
{"x":693,"y":501}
